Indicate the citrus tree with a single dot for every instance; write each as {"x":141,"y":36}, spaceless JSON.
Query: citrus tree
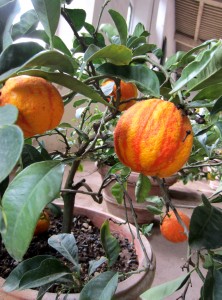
{"x":186,"y":130}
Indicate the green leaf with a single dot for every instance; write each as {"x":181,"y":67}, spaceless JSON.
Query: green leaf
{"x":16,"y":55}
{"x":12,"y":140}
{"x":219,"y":126}
{"x":49,"y":270}
{"x":212,"y":285}
{"x":143,"y":186}
{"x":116,"y":54}
{"x":210,"y":92}
{"x":3,"y":222}
{"x":77,"y":17}
{"x":140,"y":30}
{"x":121,"y":25}
{"x":94,"y":264}
{"x":205,"y":227}
{"x":65,"y":244}
{"x":211,"y":74}
{"x":23,"y":201}
{"x":28,"y":22}
{"x":164,"y":290}
{"x":217,"y":107}
{"x":194,"y":68}
{"x":30,"y":155}
{"x":69,"y":82}
{"x":145,"y":79}
{"x":154,"y":210}
{"x":200,"y":104}
{"x":109,"y":30}
{"x":117,"y":191}
{"x":8,"y":114}
{"x":48,"y":12}
{"x":110,"y":243}
{"x":13,"y":280}
{"x":51,"y":59}
{"x":102,"y":287}
{"x":143,"y":49}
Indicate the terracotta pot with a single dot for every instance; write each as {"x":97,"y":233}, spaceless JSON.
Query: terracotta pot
{"x":129,"y":289}
{"x":143,"y":215}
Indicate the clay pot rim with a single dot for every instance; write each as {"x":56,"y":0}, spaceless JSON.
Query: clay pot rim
{"x":123,"y":286}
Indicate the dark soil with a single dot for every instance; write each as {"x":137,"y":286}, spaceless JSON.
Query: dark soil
{"x":88,"y":241}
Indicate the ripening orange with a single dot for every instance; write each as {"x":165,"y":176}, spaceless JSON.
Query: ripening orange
{"x":39,"y":103}
{"x":172,"y":230}
{"x":153,"y":137}
{"x":128,"y":90}
{"x":42,"y":224}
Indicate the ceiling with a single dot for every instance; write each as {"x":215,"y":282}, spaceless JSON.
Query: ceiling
{"x":197,"y":21}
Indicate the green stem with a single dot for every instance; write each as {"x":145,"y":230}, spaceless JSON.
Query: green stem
{"x":69,"y":199}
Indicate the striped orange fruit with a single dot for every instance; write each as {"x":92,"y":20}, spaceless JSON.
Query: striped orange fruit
{"x":172,"y":230}
{"x":39,"y":103}
{"x":128,"y":90}
{"x":153,"y":137}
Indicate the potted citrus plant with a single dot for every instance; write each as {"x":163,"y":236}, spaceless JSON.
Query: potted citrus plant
{"x":153,"y":137}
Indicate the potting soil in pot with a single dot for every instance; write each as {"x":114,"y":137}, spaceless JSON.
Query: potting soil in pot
{"x":88,"y":241}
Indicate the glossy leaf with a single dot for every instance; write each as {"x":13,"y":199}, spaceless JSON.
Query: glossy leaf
{"x":77,"y":17}
{"x":194,"y":68}
{"x":109,"y":30}
{"x":110,"y":243}
{"x":210,"y":92}
{"x":94,"y":264}
{"x":117,"y":191}
{"x":121,"y":25}
{"x":212,"y":285}
{"x":142,"y":189}
{"x":28,"y":22}
{"x":205,"y":227}
{"x":200,"y":103}
{"x":217,"y":107}
{"x":69,"y":82}
{"x":154,"y":210}
{"x":143,"y":49}
{"x":65,"y":244}
{"x":25,"y":198}
{"x":211,"y":74}
{"x":16,"y":55}
{"x":117,"y":54}
{"x":3,"y":222}
{"x":30,"y":155}
{"x":13,"y":280}
{"x":145,"y":79}
{"x":164,"y":290}
{"x":102,"y":287}
{"x":140,"y":30}
{"x":48,"y":12}
{"x":49,"y":270}
{"x":12,"y":140}
{"x":8,"y":114}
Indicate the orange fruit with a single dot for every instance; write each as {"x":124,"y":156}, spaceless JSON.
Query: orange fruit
{"x":39,"y":103}
{"x":42,"y":224}
{"x":127,"y":89}
{"x":153,"y":137}
{"x":172,"y":230}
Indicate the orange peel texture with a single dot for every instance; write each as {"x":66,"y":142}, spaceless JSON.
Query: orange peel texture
{"x":172,"y":230}
{"x":153,"y":137}
{"x":128,"y":90}
{"x":39,"y":103}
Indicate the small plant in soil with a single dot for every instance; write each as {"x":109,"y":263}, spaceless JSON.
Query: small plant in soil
{"x":170,"y":122}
